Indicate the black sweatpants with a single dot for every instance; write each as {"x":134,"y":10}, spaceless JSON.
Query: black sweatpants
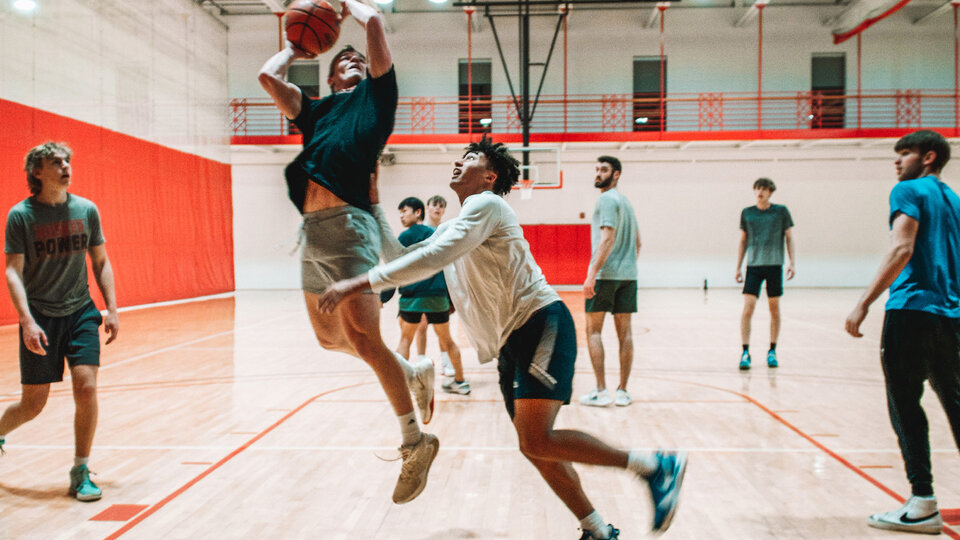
{"x":917,"y":346}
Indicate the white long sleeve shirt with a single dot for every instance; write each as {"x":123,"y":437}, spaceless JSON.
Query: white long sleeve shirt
{"x":493,"y":280}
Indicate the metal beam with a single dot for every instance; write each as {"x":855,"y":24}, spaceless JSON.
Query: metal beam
{"x":942,"y":10}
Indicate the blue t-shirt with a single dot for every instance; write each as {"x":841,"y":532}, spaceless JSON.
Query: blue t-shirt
{"x":931,"y":280}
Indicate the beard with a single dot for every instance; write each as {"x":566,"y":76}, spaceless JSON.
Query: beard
{"x":602,"y":183}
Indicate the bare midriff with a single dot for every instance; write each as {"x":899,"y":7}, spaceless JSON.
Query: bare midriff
{"x":320,"y":198}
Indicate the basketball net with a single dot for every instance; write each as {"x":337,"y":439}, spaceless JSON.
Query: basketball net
{"x":526,"y":188}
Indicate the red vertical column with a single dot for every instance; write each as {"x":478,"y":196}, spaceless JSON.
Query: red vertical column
{"x":956,"y":66}
{"x":760,"y":6}
{"x":469,"y":12}
{"x":859,"y":84}
{"x":663,"y":124}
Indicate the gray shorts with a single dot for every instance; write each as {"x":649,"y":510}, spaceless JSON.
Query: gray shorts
{"x":339,"y":243}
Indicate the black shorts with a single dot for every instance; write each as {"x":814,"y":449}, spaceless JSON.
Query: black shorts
{"x":413,"y":317}
{"x":613,"y":296}
{"x":538,"y":358}
{"x":75,"y":337}
{"x":756,"y":275}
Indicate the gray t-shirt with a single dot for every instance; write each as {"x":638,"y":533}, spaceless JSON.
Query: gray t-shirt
{"x":614,"y":210}
{"x":765,"y":234}
{"x":54,"y":241}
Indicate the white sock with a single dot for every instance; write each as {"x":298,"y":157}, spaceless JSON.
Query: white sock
{"x":78,"y":461}
{"x":642,"y":463}
{"x":423,"y":357}
{"x":407,"y":367}
{"x":595,"y":525}
{"x":445,"y":357}
{"x":409,"y":428}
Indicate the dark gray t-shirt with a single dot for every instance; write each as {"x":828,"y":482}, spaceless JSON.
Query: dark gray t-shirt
{"x":54,"y":242}
{"x":614,"y":210}
{"x":765,"y":234}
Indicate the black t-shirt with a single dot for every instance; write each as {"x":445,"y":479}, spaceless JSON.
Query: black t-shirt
{"x":343,"y":135}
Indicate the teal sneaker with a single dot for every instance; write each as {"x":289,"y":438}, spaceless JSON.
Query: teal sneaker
{"x":665,"y":487}
{"x":3,"y":441}
{"x":772,"y":359}
{"x":614,"y":534}
{"x":745,"y":361}
{"x":81,"y":487}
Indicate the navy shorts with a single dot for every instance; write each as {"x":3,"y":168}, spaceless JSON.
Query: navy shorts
{"x":413,"y":317}
{"x":613,"y":296}
{"x":538,"y":358}
{"x":75,"y":337}
{"x":756,"y":275}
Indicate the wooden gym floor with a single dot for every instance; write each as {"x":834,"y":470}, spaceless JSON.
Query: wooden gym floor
{"x":223,"y":418}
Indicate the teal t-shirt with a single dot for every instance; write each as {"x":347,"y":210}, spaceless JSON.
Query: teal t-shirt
{"x":766,"y":230}
{"x":931,"y":280}
{"x":54,"y":242}
{"x":614,"y":210}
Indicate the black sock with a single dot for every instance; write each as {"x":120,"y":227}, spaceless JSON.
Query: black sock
{"x":773,"y":345}
{"x":746,"y":348}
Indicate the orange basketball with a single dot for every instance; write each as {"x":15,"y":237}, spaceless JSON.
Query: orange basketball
{"x":312,"y":26}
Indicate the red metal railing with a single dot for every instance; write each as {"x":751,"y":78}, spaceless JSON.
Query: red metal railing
{"x":623,"y":113}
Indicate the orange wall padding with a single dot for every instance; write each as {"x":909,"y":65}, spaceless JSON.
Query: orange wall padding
{"x":167,"y":215}
{"x":562,"y":251}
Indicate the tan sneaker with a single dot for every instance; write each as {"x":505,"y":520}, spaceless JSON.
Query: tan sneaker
{"x":421,"y":384}
{"x":417,"y":459}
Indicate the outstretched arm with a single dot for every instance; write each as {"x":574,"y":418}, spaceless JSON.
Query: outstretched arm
{"x":902,"y":239}
{"x":379,"y":60}
{"x":272,"y":77}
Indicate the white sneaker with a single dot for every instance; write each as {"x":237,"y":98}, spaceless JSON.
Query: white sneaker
{"x":446,"y":365}
{"x":917,"y":515}
{"x":421,"y":384}
{"x":417,"y":459}
{"x":596,"y":398}
{"x":623,"y":398}
{"x":454,"y":387}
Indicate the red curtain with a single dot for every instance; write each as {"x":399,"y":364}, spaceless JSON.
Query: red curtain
{"x":562,"y":251}
{"x":167,"y":215}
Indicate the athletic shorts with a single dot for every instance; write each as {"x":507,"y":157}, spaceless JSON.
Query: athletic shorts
{"x":538,"y":358}
{"x":338,"y":243}
{"x":613,"y":296}
{"x":413,"y":317}
{"x":756,"y":275}
{"x":75,"y":337}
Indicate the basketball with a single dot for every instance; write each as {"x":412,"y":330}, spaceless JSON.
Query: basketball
{"x":311,"y":26}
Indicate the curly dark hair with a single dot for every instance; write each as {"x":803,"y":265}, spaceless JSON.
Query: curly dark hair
{"x":35,"y":157}
{"x":499,"y":161}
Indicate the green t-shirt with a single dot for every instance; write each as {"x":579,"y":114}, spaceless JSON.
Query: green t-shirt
{"x":765,"y":234}
{"x":614,"y":210}
{"x":54,"y":241}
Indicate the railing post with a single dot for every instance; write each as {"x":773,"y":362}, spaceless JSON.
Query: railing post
{"x":760,"y":5}
{"x":469,"y":71}
{"x":859,"y":86}
{"x":663,"y":113}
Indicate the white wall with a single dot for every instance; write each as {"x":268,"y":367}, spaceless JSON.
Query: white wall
{"x":687,"y":202}
{"x":154,"y":69}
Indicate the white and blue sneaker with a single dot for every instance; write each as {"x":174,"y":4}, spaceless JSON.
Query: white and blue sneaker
{"x":665,"y":487}
{"x":614,"y":534}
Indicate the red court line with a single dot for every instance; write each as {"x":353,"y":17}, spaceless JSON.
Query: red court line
{"x":150,"y":511}
{"x":947,"y":530}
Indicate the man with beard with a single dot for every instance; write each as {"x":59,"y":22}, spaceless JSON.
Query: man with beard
{"x":611,"y":284}
{"x":921,"y":329}
{"x":329,"y":183}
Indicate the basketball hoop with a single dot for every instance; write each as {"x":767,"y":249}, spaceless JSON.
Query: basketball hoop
{"x":526,"y":188}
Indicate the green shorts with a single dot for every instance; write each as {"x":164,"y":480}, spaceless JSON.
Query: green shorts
{"x":75,"y":337}
{"x":613,"y":296}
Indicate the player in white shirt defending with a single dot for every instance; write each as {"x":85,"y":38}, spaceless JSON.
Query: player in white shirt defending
{"x":510,"y":311}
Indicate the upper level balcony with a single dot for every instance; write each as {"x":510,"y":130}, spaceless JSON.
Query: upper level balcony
{"x":632,"y":117}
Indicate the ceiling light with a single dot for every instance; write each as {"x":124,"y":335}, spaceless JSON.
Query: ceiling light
{"x":383,"y":2}
{"x":485,"y":122}
{"x":25,"y":6}
{"x":439,"y":1}
{"x":642,"y":120}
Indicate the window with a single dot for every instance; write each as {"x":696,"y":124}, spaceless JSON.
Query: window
{"x":828,"y":79}
{"x":478,"y":107}
{"x":649,"y":111}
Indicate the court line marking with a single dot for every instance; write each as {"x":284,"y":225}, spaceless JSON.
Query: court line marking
{"x":163,"y":502}
{"x":859,"y":471}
